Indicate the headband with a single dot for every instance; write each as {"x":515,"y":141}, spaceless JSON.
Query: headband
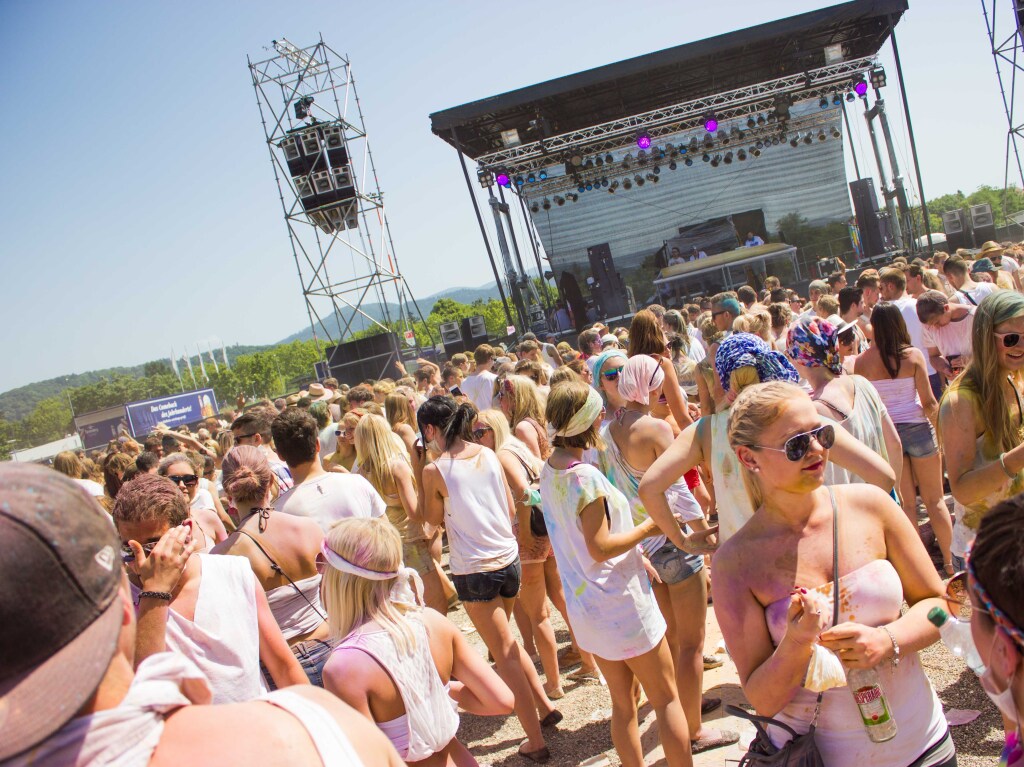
{"x":596,"y":363}
{"x":583,"y":419}
{"x":1001,"y":619}
{"x":747,"y":350}
{"x":408,"y":587}
{"x":812,"y":342}
{"x":640,"y":376}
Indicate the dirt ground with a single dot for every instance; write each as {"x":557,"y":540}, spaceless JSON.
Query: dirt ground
{"x":583,"y":737}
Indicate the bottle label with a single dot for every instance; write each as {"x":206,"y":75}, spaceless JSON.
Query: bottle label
{"x":873,"y":708}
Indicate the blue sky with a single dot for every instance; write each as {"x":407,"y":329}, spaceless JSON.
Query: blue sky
{"x":138,"y":209}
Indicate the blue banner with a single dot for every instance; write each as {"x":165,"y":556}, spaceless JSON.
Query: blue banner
{"x":97,"y":428}
{"x":171,"y":411}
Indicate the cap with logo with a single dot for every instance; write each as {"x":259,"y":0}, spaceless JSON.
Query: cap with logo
{"x":59,"y":580}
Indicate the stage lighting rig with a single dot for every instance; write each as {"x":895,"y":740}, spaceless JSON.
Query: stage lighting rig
{"x":861,"y":87}
{"x":302,"y":106}
{"x":485,"y":177}
{"x":710,"y":122}
{"x":643,"y":140}
{"x":877,"y":78}
{"x":503,"y":179}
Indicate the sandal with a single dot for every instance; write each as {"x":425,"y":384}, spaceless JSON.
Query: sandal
{"x":708,"y":705}
{"x":583,"y":674}
{"x":551,"y":719}
{"x":556,"y":694}
{"x":540,"y":756}
{"x":724,"y":738}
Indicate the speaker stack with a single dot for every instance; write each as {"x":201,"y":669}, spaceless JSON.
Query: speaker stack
{"x":874,"y":230}
{"x":983,"y":224}
{"x":370,"y":358}
{"x":608,"y":289}
{"x":318,"y":163}
{"x":474,"y":332}
{"x":451,"y":338}
{"x":954,"y":226}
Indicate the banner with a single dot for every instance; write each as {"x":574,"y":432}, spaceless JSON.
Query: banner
{"x":171,"y":411}
{"x":99,"y":427}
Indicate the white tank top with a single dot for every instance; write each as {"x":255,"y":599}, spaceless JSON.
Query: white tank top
{"x":734,"y":505}
{"x":480,"y":537}
{"x":331,"y":742}
{"x":223,"y":639}
{"x":430,"y":721}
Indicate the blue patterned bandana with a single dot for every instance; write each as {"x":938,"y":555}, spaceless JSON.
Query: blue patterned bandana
{"x":742,"y":350}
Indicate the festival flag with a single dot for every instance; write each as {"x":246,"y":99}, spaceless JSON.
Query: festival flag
{"x":213,"y":359}
{"x":188,"y":361}
{"x":202,"y":367}
{"x":224,"y":354}
{"x":174,"y":365}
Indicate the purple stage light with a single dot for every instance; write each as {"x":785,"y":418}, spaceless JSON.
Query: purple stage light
{"x":711,"y":125}
{"x":861,"y":88}
{"x":503,"y":179}
{"x":643,"y":141}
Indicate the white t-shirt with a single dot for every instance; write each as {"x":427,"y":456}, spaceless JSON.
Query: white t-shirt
{"x":95,"y":489}
{"x":328,"y":439}
{"x":611,"y":604}
{"x":978,"y":292}
{"x":1009,"y":265}
{"x":954,"y":338}
{"x":754,"y":241}
{"x":330,"y":497}
{"x":908,"y":308}
{"x":479,"y":387}
{"x":203,"y":500}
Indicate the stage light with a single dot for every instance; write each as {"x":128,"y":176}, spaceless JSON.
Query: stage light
{"x":657,"y":170}
{"x":589,"y":186}
{"x":581,"y":189}
{"x":836,"y":133}
{"x":609,"y":159}
{"x":559,"y":201}
{"x":837,"y":99}
{"x":861,"y":87}
{"x":604,"y":182}
{"x":576,"y":160}
{"x":535,"y":208}
{"x":776,"y":140}
{"x":627,"y":184}
{"x":503,"y":179}
{"x":654,"y":179}
{"x":643,"y":140}
{"x":672,"y":165}
{"x":728,"y":158}
{"x":708,"y":141}
{"x":795,"y":140}
{"x":689,"y":162}
{"x":750,"y":122}
{"x":546,"y":204}
{"x":821,"y":134}
{"x":706,"y":157}
{"x":589,"y":163}
{"x":542,"y":175}
{"x":851,"y":97}
{"x":572,"y":197}
{"x":716,"y":160}
{"x":740,"y":135}
{"x":302,"y":107}
{"x":877,"y":78}
{"x":485,"y":177}
{"x":755,"y":152}
{"x":807,"y":138}
{"x":823,"y":103}
{"x":672,"y":151}
{"x":760,"y":119}
{"x":641,"y":157}
{"x":693,"y":144}
{"x":710,"y":122}
{"x":531,"y":177}
{"x":614,"y":186}
{"x":759,"y":145}
{"x":741,"y":155}
{"x":723,"y":137}
{"x":627,"y":161}
{"x":599,"y":162}
{"x":520,"y":181}
{"x":660,"y":152}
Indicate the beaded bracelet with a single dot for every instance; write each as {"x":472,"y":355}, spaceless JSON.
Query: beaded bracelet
{"x":164,"y":595}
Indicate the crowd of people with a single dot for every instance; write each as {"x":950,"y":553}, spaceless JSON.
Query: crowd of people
{"x":207,"y":581}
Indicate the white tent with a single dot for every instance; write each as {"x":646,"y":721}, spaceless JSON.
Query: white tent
{"x":47,"y":451}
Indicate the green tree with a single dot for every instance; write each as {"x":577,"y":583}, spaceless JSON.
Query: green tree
{"x":49,"y":420}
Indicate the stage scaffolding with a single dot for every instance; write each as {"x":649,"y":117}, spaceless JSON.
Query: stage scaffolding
{"x":343,"y":250}
{"x":1003,"y":24}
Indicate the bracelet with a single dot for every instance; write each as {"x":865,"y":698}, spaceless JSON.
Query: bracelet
{"x":1006,"y":471}
{"x":164,"y":595}
{"x":895,"y":646}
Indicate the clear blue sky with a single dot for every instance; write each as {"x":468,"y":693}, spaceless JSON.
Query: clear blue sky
{"x":138,"y":208}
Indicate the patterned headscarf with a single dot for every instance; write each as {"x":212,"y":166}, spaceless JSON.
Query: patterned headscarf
{"x":812,"y":342}
{"x":742,"y":350}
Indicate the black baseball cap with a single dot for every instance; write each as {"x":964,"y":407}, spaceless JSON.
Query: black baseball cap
{"x":59,"y":580}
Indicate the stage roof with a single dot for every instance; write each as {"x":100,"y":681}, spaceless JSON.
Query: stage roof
{"x":671,"y":76}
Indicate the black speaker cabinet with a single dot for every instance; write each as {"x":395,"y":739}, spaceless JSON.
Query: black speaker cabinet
{"x":865,"y":206}
{"x":451,"y":338}
{"x":474,"y":331}
{"x":954,"y":226}
{"x":363,"y":359}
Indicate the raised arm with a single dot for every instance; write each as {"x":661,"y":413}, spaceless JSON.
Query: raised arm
{"x":683,"y":454}
{"x":853,"y":455}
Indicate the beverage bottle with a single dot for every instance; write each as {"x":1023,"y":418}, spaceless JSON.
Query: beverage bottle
{"x":870,"y":699}
{"x":956,"y":635}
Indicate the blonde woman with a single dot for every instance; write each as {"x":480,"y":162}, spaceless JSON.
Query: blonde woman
{"x":409,"y":692}
{"x":344,"y":456}
{"x":540,"y":572}
{"x":401,"y":415}
{"x":757,"y":321}
{"x":521,"y":403}
{"x":384,"y":464}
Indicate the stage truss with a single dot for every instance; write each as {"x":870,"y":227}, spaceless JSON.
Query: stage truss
{"x":351,"y":236}
{"x":1006,"y":36}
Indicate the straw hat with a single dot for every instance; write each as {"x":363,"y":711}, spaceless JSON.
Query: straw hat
{"x":990,"y":248}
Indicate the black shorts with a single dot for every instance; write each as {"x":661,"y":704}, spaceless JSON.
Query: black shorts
{"x":483,"y":587}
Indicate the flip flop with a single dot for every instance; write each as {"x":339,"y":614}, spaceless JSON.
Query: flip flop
{"x":712,"y":661}
{"x":540,"y":756}
{"x":709,"y":704}
{"x":551,"y":719}
{"x":724,"y":738}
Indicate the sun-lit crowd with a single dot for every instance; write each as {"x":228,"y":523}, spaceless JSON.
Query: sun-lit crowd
{"x":828,"y":470}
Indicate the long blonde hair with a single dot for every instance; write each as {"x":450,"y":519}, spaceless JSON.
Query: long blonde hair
{"x":376,"y":451}
{"x":399,"y":409}
{"x":499,"y":426}
{"x":756,"y":409}
{"x":351,"y":601}
{"x":524,"y":400}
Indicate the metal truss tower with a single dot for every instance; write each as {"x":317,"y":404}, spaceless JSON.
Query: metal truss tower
{"x":328,"y":186}
{"x":1003,"y":22}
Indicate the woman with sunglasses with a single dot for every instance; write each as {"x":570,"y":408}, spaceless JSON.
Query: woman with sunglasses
{"x":742,"y":360}
{"x":633,"y":441}
{"x":776,"y":611}
{"x":422,"y":666}
{"x":282,"y":550}
{"x":177,"y":468}
{"x":981,"y":421}
{"x":465,"y":489}
{"x":344,"y":456}
{"x":540,"y":571}
{"x":988,"y":594}
{"x":899,"y":374}
{"x":605,"y":369}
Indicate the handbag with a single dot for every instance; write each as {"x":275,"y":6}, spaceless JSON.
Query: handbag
{"x":538,"y":527}
{"x":800,"y":750}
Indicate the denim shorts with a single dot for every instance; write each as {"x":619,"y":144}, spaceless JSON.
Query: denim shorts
{"x":483,"y":587}
{"x":918,"y":439}
{"x":312,"y":655}
{"x":959,"y":563}
{"x":674,"y":565}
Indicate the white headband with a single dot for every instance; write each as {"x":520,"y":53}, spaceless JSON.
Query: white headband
{"x":408,"y":588}
{"x":582,"y":419}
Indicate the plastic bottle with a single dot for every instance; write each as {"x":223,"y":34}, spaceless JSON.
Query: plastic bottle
{"x":956,"y":635}
{"x":871,"y":701}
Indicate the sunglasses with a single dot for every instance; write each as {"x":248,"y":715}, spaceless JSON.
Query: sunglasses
{"x":186,"y":479}
{"x":127,"y":555}
{"x":480,"y":432}
{"x":343,"y":433}
{"x":720,"y":311}
{"x":1008,"y":340}
{"x":796,"y":447}
{"x":611,"y":375}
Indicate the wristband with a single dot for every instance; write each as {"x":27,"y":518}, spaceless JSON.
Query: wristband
{"x":166,"y":596}
{"x":1006,"y":471}
{"x":895,"y":646}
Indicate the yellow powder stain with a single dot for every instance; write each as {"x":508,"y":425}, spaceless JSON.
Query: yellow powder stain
{"x":581,"y":588}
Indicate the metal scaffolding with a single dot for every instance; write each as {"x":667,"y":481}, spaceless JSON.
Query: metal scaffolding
{"x":1003,"y":25}
{"x":307,"y":99}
